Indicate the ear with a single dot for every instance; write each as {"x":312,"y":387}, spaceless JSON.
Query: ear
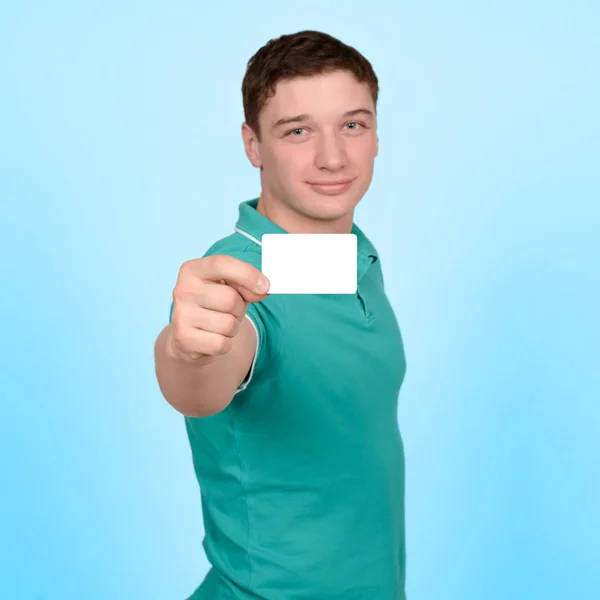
{"x":251,"y":145}
{"x":376,"y":145}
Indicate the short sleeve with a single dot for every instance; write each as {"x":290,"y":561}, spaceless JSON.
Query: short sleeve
{"x":253,"y":315}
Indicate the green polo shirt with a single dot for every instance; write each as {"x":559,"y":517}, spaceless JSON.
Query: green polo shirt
{"x":302,"y":475}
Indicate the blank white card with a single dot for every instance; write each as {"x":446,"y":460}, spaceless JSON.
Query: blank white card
{"x":310,"y":263}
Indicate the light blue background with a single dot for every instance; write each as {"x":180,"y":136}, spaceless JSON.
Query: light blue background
{"x":121,"y":157}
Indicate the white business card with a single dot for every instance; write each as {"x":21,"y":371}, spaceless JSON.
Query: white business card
{"x":310,"y":263}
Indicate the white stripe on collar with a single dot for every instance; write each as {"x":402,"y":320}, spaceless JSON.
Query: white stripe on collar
{"x":248,"y":236}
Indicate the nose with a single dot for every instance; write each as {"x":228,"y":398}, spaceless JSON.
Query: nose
{"x":331,"y":151}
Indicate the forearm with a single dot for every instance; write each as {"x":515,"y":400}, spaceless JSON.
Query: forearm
{"x":194,"y":390}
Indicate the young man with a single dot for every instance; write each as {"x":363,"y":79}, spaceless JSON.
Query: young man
{"x":290,"y":401}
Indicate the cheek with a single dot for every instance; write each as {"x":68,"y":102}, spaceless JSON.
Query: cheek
{"x":294,"y":162}
{"x":363,"y":154}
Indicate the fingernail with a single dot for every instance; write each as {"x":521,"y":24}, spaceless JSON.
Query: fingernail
{"x":263,"y":284}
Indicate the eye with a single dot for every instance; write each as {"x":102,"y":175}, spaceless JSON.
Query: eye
{"x":294,"y":130}
{"x":355,"y":123}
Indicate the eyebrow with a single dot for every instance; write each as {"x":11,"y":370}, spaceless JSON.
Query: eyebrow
{"x":304,"y":117}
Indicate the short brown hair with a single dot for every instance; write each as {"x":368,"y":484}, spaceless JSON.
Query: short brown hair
{"x":301,"y":54}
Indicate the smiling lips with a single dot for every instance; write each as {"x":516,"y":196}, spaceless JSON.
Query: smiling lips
{"x":331,"y":188}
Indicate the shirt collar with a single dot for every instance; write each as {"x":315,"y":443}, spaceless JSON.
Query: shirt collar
{"x":253,"y":225}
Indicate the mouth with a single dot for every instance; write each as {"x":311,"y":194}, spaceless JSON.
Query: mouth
{"x":331,"y":188}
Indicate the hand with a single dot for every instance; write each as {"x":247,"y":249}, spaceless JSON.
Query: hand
{"x":210,"y":301}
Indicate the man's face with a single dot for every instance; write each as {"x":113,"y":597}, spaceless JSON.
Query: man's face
{"x":317,"y":130}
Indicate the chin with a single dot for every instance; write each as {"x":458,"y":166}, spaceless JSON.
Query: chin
{"x":330,"y":208}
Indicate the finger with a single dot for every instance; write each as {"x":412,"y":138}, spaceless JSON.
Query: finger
{"x":246,"y":296}
{"x":197,"y":342}
{"x":222,"y":298}
{"x":233,"y":271}
{"x":213,"y":321}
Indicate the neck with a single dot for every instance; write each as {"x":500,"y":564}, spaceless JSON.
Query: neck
{"x":293,"y":221}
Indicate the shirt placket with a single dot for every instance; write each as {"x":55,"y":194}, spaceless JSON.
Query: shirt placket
{"x":363,"y":263}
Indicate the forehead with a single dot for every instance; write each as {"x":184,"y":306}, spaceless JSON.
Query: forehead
{"x":321,"y":95}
